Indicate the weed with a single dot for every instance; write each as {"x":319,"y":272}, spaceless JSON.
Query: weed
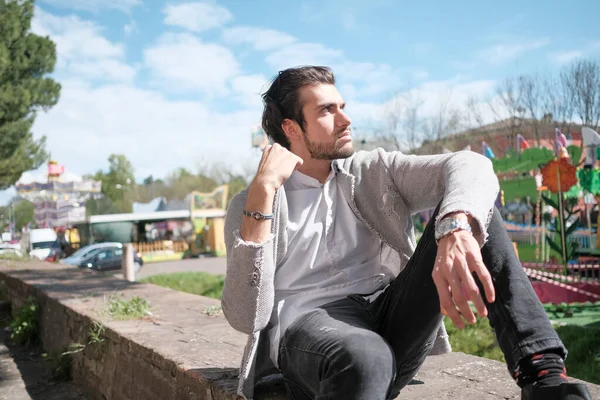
{"x":97,"y":333}
{"x":25,"y":326}
{"x":136,"y":307}
{"x":60,"y":362}
{"x":212,"y":310}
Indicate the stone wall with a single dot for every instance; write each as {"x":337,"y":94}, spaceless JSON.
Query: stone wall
{"x":176,"y":353}
{"x":182,"y":351}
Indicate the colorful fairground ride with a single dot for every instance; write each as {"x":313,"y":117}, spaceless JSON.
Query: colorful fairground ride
{"x":548,"y":199}
{"x":58,"y":200}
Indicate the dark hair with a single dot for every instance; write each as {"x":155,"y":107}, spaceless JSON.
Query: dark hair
{"x":282,"y":99}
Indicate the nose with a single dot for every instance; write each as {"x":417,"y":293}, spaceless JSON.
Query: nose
{"x":343,"y":118}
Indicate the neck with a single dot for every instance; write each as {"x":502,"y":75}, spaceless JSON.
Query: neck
{"x":317,"y":169}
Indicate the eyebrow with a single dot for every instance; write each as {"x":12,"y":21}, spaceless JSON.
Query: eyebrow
{"x":326,"y":105}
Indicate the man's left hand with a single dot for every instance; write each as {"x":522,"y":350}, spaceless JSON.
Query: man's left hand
{"x":458,"y":257}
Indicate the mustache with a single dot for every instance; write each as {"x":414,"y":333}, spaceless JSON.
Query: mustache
{"x":343,"y":131}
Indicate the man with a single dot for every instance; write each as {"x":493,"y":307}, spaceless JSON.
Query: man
{"x":316,"y":242}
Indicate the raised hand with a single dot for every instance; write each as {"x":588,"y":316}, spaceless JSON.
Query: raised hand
{"x":276,"y":166}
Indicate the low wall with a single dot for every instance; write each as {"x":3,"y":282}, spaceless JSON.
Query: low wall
{"x":181,"y":351}
{"x":178,"y":352}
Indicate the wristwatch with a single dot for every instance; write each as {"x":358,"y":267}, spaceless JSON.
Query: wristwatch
{"x":257,"y":215}
{"x":450,"y":225}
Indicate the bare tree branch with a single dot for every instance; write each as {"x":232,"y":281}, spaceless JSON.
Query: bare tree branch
{"x":582,"y":81}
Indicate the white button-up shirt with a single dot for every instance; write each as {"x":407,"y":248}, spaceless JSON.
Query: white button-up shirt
{"x":328,"y":248}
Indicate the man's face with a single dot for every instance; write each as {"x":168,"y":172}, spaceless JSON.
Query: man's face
{"x":327,"y":127}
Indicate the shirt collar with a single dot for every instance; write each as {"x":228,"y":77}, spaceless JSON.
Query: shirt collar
{"x":298,"y":180}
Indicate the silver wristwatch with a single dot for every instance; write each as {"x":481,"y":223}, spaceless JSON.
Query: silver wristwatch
{"x":257,"y":215}
{"x":449,"y":225}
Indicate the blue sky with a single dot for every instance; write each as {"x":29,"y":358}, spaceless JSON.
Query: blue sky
{"x":174,"y":84}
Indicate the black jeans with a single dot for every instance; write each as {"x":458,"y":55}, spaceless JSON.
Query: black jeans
{"x":357,"y":349}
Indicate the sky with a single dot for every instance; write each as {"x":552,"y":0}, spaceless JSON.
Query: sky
{"x":175,"y":84}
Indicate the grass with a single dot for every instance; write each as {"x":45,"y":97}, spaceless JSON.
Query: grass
{"x":13,"y":257}
{"x":134,"y":308}
{"x":527,"y":252}
{"x":583,"y":344}
{"x":579,"y":314}
{"x":200,"y":283}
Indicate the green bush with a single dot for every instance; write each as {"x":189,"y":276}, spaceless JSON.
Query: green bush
{"x":25,"y":326}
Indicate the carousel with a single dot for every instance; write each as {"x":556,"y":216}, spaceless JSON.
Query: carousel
{"x":59,"y":198}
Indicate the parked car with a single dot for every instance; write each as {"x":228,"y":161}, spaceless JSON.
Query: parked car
{"x":101,"y":257}
{"x":84,"y":252}
{"x":8,"y":251}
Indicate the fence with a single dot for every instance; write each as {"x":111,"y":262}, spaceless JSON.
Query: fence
{"x":585,"y":240}
{"x":178,"y":246}
{"x":588,"y":272}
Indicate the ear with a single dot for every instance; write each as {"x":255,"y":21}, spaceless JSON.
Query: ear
{"x":291,"y":129}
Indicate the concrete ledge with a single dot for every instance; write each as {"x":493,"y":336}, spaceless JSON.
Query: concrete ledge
{"x":180,"y":352}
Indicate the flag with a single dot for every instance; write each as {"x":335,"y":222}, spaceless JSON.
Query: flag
{"x":560,"y":140}
{"x":487,"y":150}
{"x":522,"y":143}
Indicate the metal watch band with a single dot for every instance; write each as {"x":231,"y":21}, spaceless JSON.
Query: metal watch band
{"x":257,"y":215}
{"x":450,"y":225}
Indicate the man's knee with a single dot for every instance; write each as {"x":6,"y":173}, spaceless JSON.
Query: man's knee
{"x":364,"y":356}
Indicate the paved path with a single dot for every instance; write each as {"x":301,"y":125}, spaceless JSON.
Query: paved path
{"x":212,"y":265}
{"x":23,"y":373}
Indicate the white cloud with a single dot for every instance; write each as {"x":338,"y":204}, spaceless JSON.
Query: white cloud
{"x":430,"y":96}
{"x":82,"y":50}
{"x":565,"y":57}
{"x":75,"y":38}
{"x":129,"y":28}
{"x":260,"y":39}
{"x":297,"y":54}
{"x":197,"y":17}
{"x":155,"y":133}
{"x":95,"y":118}
{"x":503,"y":52}
{"x":249,"y":89}
{"x":368,"y":78}
{"x":94,"y":5}
{"x":185,"y":63}
{"x":105,"y":69}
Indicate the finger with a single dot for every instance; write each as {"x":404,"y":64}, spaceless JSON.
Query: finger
{"x":446,"y":303}
{"x":472,"y":290}
{"x":263,"y":157}
{"x":459,"y":299}
{"x":486,"y":279}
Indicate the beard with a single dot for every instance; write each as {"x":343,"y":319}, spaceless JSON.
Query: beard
{"x":329,"y":151}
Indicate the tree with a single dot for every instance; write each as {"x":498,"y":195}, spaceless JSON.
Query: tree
{"x":21,"y":211}
{"x":25,"y":60}
{"x":118,"y":186}
{"x":532,"y":95}
{"x":403,"y":125}
{"x":444,"y":123}
{"x":582,"y":80}
{"x":511,"y":108}
{"x":558,"y":101}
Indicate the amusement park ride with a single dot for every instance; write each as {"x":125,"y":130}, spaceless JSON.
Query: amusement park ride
{"x":58,"y":203}
{"x":563,"y":185}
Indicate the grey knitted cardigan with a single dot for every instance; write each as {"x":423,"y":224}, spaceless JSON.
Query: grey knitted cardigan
{"x":383,"y":189}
